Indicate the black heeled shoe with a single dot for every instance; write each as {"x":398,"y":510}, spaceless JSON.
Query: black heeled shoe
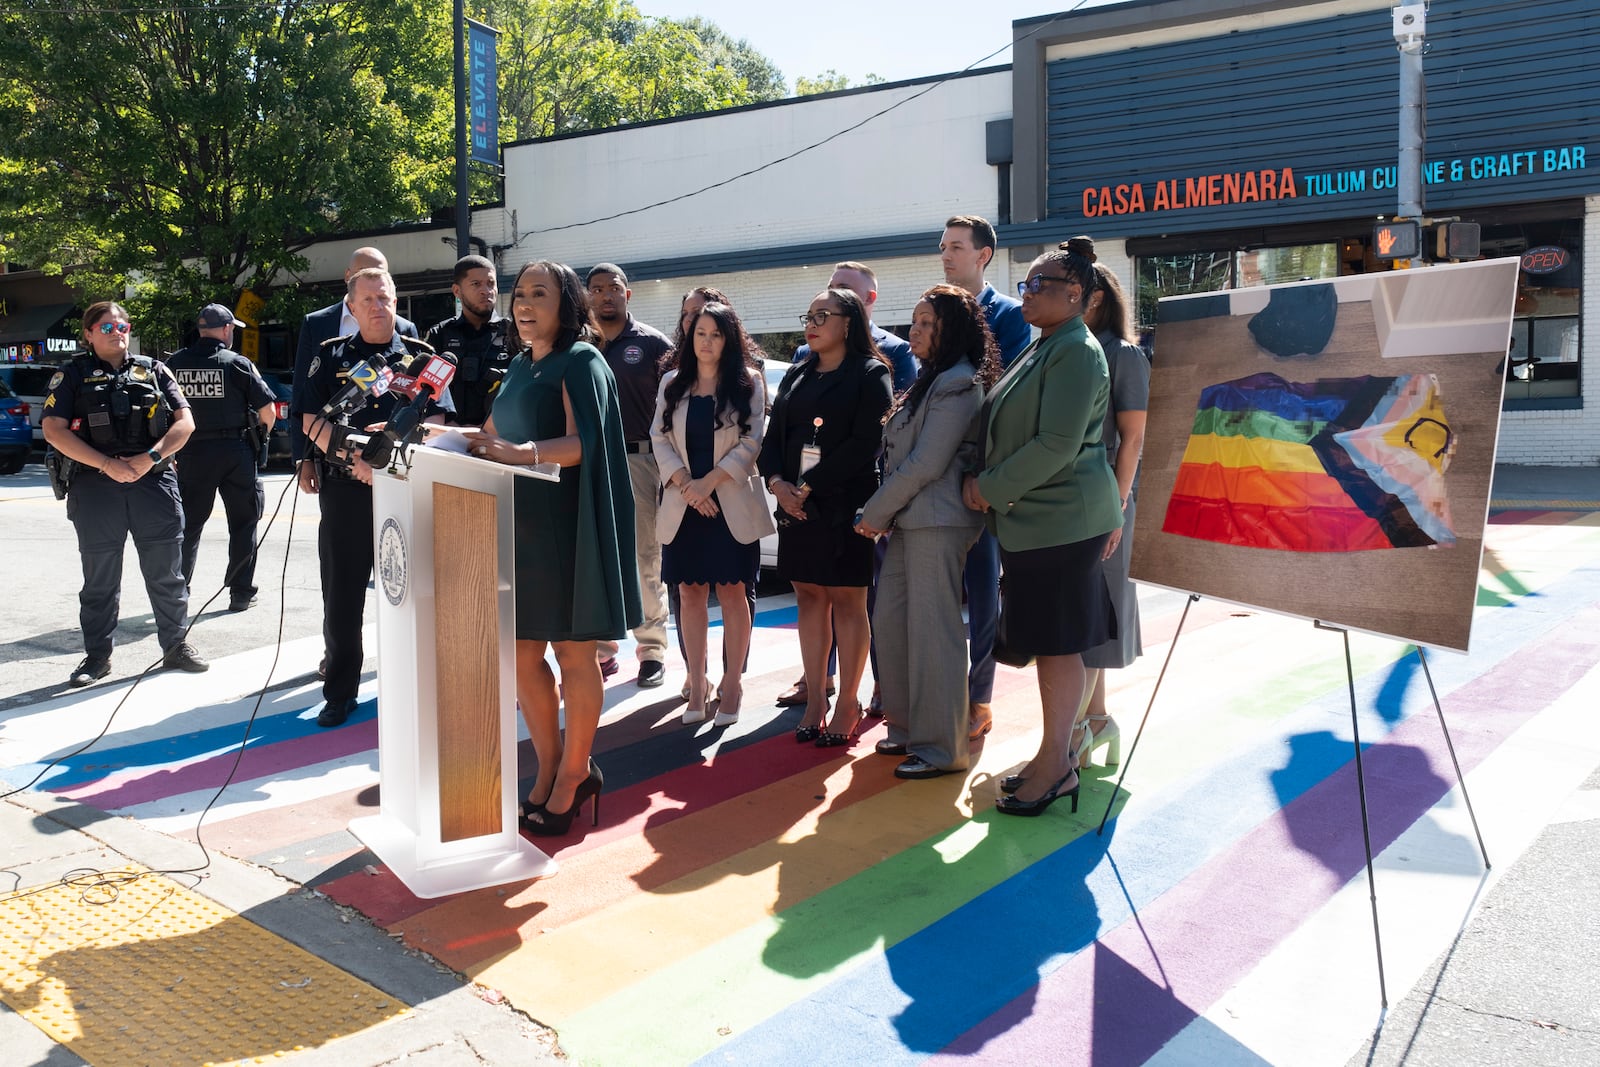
{"x":1010,"y":805}
{"x":542,"y":822}
{"x":805,"y":735}
{"x":1012,"y":782}
{"x":835,"y":739}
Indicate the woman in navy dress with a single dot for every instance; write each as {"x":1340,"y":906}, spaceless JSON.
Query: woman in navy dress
{"x":706,"y":434}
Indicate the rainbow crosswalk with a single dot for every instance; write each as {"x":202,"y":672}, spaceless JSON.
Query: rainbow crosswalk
{"x":749,"y":900}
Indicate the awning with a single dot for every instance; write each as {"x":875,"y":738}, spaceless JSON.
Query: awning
{"x":31,"y":324}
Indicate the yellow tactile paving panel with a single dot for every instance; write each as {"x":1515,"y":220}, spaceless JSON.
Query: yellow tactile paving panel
{"x":149,"y":972}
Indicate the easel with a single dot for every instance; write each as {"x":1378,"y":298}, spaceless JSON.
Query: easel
{"x":1361,"y":780}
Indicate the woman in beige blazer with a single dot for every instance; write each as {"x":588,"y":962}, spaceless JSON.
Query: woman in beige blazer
{"x":706,"y":434}
{"x":916,"y":620}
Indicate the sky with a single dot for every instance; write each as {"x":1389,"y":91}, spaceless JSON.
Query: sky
{"x":894,"y":39}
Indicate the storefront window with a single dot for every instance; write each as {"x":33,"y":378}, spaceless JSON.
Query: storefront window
{"x":1545,"y":360}
{"x":1180,"y":275}
{"x":1544,"y":368}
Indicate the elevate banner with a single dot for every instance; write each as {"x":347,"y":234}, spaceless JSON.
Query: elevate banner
{"x":482,"y":76}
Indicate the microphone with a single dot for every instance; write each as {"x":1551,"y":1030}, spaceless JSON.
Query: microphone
{"x":365,"y":377}
{"x":430,"y":380}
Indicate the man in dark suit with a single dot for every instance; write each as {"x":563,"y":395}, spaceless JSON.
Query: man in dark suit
{"x":319,"y":327}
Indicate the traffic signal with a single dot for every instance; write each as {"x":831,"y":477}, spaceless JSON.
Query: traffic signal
{"x":1397,"y":239}
{"x":1455,"y":240}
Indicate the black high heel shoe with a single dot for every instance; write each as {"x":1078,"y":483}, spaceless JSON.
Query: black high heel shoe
{"x":835,"y":739}
{"x":1010,"y":805}
{"x":1012,"y":782}
{"x":542,"y":822}
{"x":804,"y":735}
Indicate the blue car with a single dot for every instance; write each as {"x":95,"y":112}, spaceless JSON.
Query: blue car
{"x":16,"y":432}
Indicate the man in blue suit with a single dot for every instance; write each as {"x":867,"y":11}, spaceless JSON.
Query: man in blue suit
{"x":965,"y":249}
{"x":335,"y":320}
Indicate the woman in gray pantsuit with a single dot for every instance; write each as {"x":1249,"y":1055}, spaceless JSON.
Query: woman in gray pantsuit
{"x":916,"y":623}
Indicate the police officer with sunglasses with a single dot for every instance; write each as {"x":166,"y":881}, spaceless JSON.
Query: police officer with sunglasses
{"x":120,"y":418}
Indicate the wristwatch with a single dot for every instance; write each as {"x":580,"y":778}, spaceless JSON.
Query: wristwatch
{"x":154,"y":454}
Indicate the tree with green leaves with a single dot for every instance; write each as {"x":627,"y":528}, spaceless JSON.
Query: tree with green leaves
{"x":192,"y":151}
{"x":175,"y":155}
{"x":830,"y":82}
{"x":568,"y":65}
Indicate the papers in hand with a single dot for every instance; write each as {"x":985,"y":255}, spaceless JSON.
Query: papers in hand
{"x":450,"y":441}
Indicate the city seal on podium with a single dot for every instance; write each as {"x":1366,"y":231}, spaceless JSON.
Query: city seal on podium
{"x":392,"y":573}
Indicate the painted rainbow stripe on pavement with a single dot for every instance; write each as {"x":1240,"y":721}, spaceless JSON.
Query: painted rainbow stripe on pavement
{"x":750,"y":900}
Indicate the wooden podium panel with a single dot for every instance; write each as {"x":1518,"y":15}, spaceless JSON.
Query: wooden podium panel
{"x":444,"y":539}
{"x":467,"y":642}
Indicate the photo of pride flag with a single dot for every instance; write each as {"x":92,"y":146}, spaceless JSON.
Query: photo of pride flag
{"x":1331,"y":465}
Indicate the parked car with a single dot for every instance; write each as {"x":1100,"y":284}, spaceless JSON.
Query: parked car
{"x":16,"y":435}
{"x":30,"y":382}
{"x":279,"y":449}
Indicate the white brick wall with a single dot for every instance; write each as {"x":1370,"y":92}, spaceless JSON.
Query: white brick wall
{"x":772,"y":300}
{"x":911,"y":168}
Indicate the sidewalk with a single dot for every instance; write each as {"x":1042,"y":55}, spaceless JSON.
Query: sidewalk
{"x":749,"y":903}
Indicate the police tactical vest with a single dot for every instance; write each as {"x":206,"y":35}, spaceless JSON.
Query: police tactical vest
{"x":211,"y":386}
{"x":481,"y":363}
{"x":121,"y":412}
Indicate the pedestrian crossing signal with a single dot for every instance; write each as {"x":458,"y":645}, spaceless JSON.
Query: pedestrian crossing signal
{"x":1397,"y":239}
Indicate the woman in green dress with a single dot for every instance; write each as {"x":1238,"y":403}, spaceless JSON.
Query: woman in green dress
{"x":576,"y":580}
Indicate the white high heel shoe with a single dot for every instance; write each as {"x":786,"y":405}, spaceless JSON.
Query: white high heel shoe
{"x":1109,"y":734}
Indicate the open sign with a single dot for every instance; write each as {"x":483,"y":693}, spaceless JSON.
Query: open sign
{"x":1546,"y":259}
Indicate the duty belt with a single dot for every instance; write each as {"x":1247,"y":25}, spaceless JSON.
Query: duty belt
{"x":638,"y":448}
{"x":219,"y":435}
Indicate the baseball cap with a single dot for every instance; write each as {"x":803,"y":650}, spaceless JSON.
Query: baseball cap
{"x":213,"y":315}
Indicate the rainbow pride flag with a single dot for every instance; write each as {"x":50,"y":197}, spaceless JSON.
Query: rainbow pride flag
{"x":1331,"y":465}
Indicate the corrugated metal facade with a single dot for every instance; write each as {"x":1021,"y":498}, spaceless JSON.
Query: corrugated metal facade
{"x":1199,"y":135}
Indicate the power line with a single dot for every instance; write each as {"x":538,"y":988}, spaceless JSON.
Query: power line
{"x":799,"y":151}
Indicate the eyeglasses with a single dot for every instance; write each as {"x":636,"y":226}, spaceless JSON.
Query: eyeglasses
{"x":109,"y":328}
{"x":818,"y":318}
{"x":1036,"y":284}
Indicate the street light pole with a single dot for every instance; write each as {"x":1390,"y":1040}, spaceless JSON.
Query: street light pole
{"x":463,"y":193}
{"x":1410,"y":30}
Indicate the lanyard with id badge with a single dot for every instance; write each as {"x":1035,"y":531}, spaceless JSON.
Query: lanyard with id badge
{"x":811,"y":454}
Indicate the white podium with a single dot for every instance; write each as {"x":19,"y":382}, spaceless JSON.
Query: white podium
{"x":447,"y":712}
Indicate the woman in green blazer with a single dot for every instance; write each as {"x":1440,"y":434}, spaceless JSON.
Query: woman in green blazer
{"x":1051,"y":501}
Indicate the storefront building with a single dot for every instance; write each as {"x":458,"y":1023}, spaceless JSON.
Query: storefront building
{"x":1243,"y":142}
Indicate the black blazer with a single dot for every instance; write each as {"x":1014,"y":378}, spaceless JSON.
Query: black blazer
{"x":852,"y":404}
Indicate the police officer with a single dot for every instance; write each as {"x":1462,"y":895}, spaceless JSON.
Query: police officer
{"x":344,"y":480}
{"x":477,"y":340}
{"x":634,"y":352}
{"x":228,"y":399}
{"x":120,"y":417}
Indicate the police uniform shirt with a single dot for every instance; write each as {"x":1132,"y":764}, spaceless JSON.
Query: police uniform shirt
{"x":86,"y":373}
{"x":635,"y":359}
{"x":222,"y":387}
{"x":481,"y":355}
{"x":331,"y":367}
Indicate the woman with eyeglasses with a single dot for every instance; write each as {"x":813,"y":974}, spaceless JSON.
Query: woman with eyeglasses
{"x":576,"y":579}
{"x":119,"y":417}
{"x":709,"y":420}
{"x":819,"y":460}
{"x":922,"y":646}
{"x":1051,"y":501}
